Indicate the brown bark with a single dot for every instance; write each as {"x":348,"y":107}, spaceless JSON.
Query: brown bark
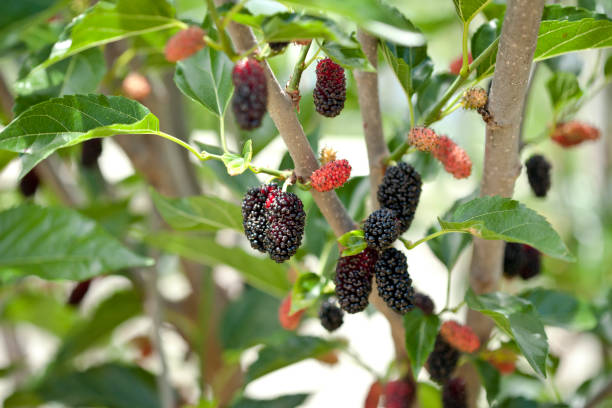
{"x":369,"y":103}
{"x":501,"y":162}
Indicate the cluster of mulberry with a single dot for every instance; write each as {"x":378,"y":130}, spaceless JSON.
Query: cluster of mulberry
{"x":393,"y":281}
{"x":381,"y":229}
{"x":568,"y":134}
{"x":400,"y":191}
{"x":184,"y":44}
{"x":399,"y":394}
{"x":455,"y":160}
{"x":330,"y":90}
{"x":331,"y":316}
{"x":354,"y":280}
{"x":331,"y":175}
{"x":459,"y":336}
{"x":538,"y":173}
{"x":442,"y":360}
{"x":521,"y":260}
{"x":454,"y":394}
{"x":250,"y":94}
{"x":273,"y":221}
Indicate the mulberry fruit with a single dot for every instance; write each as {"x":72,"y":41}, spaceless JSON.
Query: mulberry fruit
{"x":354,"y":280}
{"x":460,"y":337}
{"x":423,"y":139}
{"x":331,"y":316}
{"x":522,"y":260}
{"x":285,"y":219}
{"x":399,"y":394}
{"x":393,"y":281}
{"x":400,"y":191}
{"x":475,"y":98}
{"x":330,"y":91}
{"x":424,"y":302}
{"x":374,"y":393}
{"x":327,"y":155}
{"x":454,"y":158}
{"x":254,"y":218}
{"x":250,"y":94}
{"x":381,"y":229}
{"x":503,"y":359}
{"x":278,"y":46}
{"x":454,"y":394}
{"x":568,"y":134}
{"x":442,"y":361}
{"x":289,"y":321}
{"x":538,"y":173}
{"x":457,"y":63}
{"x":78,"y":292}
{"x":91,"y":152}
{"x":136,"y":86}
{"x":29,"y":183}
{"x":185,"y":43}
{"x":331,"y":175}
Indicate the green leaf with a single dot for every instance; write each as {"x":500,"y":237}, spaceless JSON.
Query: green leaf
{"x":431,"y":92}
{"x":376,"y":17}
{"x":247,"y":321}
{"x":429,"y":396}
{"x":79,"y":74}
{"x":198,"y":213}
{"x":72,"y":119}
{"x":236,"y":164}
{"x":608,"y":68}
{"x":296,"y":26}
{"x":563,"y":87}
{"x":206,"y":77}
{"x":505,"y":219}
{"x":306,"y":291}
{"x":290,"y":351}
{"x":557,"y":308}
{"x":262,"y":273}
{"x":111,"y":385}
{"x":109,"y":314}
{"x":44,"y":311}
{"x":421,"y":332}
{"x":107,"y":22}
{"x":484,"y":36}
{"x":353,"y":241}
{"x":468,"y":9}
{"x":411,"y":65}
{"x":517,"y":318}
{"x":285,"y":401}
{"x":58,"y":243}
{"x":349,"y":56}
{"x":448,"y":247}
{"x":19,"y":17}
{"x":490,"y":379}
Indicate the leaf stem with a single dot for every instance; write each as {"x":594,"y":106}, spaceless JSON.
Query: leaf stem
{"x":280,"y":174}
{"x":411,"y":109}
{"x":201,"y":156}
{"x":225,"y":43}
{"x":294,"y":82}
{"x":231,"y":13}
{"x":222,"y":133}
{"x":466,"y":54}
{"x":411,"y":245}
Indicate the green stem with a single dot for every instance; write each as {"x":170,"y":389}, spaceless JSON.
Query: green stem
{"x":230,"y":14}
{"x":411,"y":245}
{"x":201,"y":156}
{"x":294,"y":82}
{"x":313,"y":58}
{"x":222,"y":133}
{"x":448,"y":290}
{"x":360,"y":362}
{"x":281,"y":174}
{"x":466,"y":54}
{"x":411,"y":109}
{"x":225,"y":43}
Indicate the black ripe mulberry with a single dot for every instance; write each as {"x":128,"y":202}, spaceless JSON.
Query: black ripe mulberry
{"x":330,"y":91}
{"x":522,"y":260}
{"x":278,"y":46}
{"x":254,"y":218}
{"x":285,"y":219}
{"x":454,"y":394}
{"x":91,"y":152}
{"x":381,"y":229}
{"x":354,"y":280}
{"x":331,"y":316}
{"x":29,"y":183}
{"x":393,"y":281}
{"x":400,"y":191}
{"x":442,"y":361}
{"x":250,"y":94}
{"x":538,"y":173}
{"x":424,"y":302}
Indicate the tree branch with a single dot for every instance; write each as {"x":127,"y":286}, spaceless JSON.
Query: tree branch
{"x":501,"y":162}
{"x":600,"y":396}
{"x":369,"y":103}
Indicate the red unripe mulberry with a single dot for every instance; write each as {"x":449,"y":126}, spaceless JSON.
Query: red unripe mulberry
{"x":250,"y":94}
{"x":568,"y":134}
{"x":376,"y":390}
{"x":185,"y":43}
{"x":460,"y":337}
{"x":454,"y":158}
{"x":457,"y":63}
{"x":330,"y":91}
{"x":330,"y":176}
{"x":289,"y":321}
{"x":400,"y":394}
